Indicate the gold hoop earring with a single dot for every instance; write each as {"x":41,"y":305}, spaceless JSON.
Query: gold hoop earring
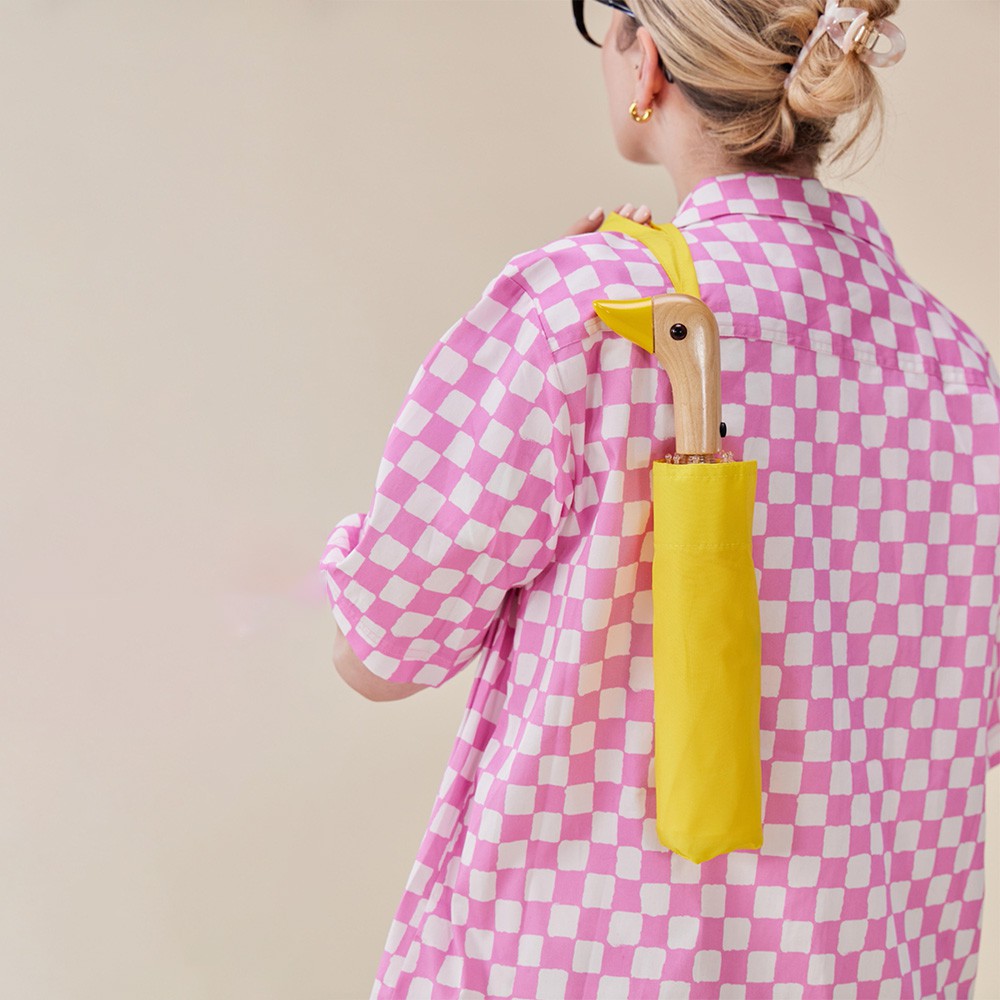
{"x":634,"y":112}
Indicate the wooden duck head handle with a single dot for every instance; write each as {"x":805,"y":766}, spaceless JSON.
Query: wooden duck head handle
{"x":683,"y":334}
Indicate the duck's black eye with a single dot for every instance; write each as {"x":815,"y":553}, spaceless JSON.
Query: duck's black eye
{"x":678,"y":331}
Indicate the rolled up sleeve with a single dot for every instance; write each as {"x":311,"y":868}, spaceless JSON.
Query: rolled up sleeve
{"x":471,"y":496}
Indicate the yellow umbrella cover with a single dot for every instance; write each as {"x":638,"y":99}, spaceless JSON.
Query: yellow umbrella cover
{"x":706,"y":659}
{"x":706,"y":617}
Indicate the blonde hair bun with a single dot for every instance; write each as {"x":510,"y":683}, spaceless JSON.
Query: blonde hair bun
{"x":731,"y":59}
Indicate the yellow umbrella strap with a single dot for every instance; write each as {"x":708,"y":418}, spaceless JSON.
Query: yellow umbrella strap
{"x":667,"y":244}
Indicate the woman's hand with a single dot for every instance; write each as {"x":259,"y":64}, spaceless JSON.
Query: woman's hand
{"x":591,"y":223}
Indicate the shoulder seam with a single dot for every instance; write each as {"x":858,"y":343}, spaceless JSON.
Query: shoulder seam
{"x":545,"y":333}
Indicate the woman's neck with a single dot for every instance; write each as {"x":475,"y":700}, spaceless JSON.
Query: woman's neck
{"x":682,"y":147}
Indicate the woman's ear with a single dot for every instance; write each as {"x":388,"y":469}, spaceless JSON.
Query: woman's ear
{"x":649,"y":76}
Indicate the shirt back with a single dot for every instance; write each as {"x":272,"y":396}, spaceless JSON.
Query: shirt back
{"x":872,"y":413}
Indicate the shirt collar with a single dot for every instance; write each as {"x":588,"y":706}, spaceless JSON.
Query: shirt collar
{"x":803,"y":199}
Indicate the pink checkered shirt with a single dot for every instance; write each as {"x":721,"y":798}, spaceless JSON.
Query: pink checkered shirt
{"x":511,"y":527}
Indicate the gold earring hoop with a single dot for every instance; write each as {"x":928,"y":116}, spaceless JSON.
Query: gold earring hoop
{"x":634,"y":112}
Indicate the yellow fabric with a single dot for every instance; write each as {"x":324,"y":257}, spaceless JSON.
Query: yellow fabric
{"x":706,"y":633}
{"x":706,"y":660}
{"x":667,"y":244}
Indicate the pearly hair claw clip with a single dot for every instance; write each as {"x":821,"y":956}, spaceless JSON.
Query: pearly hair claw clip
{"x":860,"y":37}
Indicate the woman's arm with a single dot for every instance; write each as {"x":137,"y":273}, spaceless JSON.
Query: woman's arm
{"x":359,"y":677}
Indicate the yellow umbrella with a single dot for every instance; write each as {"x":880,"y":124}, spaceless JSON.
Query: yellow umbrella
{"x":706,"y":613}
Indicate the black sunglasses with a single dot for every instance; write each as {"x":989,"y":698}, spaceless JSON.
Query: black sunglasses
{"x":614,"y":5}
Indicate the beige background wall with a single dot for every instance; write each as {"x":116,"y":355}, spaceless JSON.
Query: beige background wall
{"x":212,"y":214}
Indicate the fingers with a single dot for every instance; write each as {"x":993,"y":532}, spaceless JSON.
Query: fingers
{"x":591,"y":223}
{"x":640,"y":214}
{"x":588,"y":224}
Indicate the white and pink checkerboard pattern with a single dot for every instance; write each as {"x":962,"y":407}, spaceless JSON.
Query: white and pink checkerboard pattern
{"x":512,"y":517}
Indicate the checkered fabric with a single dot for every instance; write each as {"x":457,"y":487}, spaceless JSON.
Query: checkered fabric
{"x":512,"y":521}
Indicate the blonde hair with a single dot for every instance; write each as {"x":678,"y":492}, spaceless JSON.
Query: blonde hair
{"x":730,"y":58}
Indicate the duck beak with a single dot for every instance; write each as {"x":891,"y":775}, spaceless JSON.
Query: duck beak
{"x":632,"y":319}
